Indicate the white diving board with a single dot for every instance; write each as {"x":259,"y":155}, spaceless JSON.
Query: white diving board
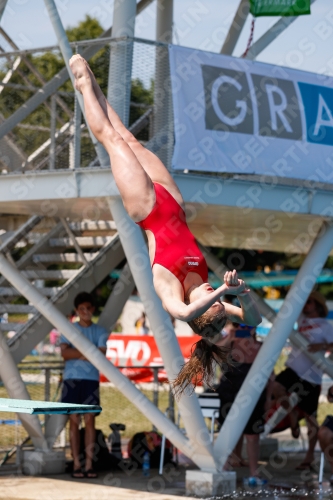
{"x":45,"y":407}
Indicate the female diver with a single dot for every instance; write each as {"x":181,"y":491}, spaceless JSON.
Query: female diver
{"x":153,"y":200}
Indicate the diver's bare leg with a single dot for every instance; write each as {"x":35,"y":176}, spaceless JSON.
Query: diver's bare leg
{"x":134,"y":184}
{"x":149,"y":161}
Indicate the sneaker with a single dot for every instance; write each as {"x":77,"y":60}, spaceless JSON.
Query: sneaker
{"x":254,"y":481}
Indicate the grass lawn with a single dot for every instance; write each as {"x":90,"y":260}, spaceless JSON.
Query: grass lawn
{"x":116,"y":408}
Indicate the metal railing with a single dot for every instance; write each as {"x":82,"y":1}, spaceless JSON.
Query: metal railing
{"x":46,"y":139}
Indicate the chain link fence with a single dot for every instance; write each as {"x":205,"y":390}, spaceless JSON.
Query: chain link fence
{"x":41,"y":125}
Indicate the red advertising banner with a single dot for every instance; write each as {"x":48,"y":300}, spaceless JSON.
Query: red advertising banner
{"x":134,"y":350}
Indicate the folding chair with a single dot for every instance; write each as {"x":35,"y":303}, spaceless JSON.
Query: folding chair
{"x":210,"y":406}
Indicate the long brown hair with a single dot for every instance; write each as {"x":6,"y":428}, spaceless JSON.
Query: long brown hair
{"x":204,"y":354}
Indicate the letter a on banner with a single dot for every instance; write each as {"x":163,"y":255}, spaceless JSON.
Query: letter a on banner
{"x":279,"y":7}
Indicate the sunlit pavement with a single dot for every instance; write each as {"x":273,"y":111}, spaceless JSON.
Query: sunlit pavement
{"x":284,"y":481}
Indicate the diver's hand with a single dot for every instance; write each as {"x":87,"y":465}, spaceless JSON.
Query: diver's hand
{"x":233,"y":284}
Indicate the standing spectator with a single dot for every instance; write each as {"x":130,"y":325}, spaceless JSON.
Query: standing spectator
{"x":302,"y":376}
{"x":141,"y":325}
{"x":244,"y":348}
{"x":81,"y":383}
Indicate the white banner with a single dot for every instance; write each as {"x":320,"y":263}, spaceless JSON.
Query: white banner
{"x":238,"y":116}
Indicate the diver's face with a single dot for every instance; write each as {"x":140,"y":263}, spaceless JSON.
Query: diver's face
{"x":202,"y":291}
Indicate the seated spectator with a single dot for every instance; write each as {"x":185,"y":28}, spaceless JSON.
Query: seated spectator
{"x":304,"y":377}
{"x":244,"y":348}
{"x":81,"y":383}
{"x":325,"y":435}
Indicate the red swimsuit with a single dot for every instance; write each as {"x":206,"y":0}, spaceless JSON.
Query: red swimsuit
{"x":176,"y":249}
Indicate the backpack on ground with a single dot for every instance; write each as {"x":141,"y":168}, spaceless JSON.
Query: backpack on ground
{"x":149,"y":442}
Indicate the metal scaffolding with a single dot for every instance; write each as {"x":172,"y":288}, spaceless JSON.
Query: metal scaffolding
{"x":77,"y":184}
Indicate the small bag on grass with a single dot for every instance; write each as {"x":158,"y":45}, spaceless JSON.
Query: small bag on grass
{"x":150,"y":442}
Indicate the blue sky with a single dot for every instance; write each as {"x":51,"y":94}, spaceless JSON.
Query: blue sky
{"x":305,"y":45}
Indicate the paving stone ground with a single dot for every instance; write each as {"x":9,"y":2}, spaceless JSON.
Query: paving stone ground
{"x":284,"y":482}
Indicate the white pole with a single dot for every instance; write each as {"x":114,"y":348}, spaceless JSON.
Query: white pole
{"x":263,"y":365}
{"x":16,"y":389}
{"x":121,"y":55}
{"x":94,"y":355}
{"x":135,"y":249}
{"x":321,"y":469}
{"x":160,"y":471}
{"x":265,"y":310}
{"x":163,"y":113}
{"x":122,"y":382}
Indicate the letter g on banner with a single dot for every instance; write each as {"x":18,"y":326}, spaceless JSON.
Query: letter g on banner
{"x":239,"y":104}
{"x":227,"y":100}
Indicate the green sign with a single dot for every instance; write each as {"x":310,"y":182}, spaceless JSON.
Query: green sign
{"x":279,"y":7}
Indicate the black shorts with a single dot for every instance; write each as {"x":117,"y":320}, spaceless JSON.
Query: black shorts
{"x":308,"y":394}
{"x":228,"y":389}
{"x":328,"y":422}
{"x":82,"y":392}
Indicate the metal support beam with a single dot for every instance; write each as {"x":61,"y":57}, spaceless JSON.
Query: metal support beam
{"x":33,"y":70}
{"x":117,"y":300}
{"x":236,"y":28}
{"x":94,"y":355}
{"x":16,"y":389}
{"x":132,"y":239}
{"x":163,"y":113}
{"x":264,"y":363}
{"x":270,"y":35}
{"x":73,"y":240}
{"x":38,"y":327}
{"x":10,"y":73}
{"x":2,"y":7}
{"x":265,"y":310}
{"x":121,"y":55}
{"x":53,"y":133}
{"x":77,"y":135}
{"x":296,"y":338}
{"x":20,"y":233}
{"x":52,"y":86}
{"x":53,"y":426}
{"x":67,"y":54}
{"x":135,"y":249}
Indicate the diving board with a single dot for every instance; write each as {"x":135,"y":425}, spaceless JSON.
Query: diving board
{"x":45,"y":407}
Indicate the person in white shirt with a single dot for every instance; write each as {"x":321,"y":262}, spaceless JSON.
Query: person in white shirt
{"x":302,"y":376}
